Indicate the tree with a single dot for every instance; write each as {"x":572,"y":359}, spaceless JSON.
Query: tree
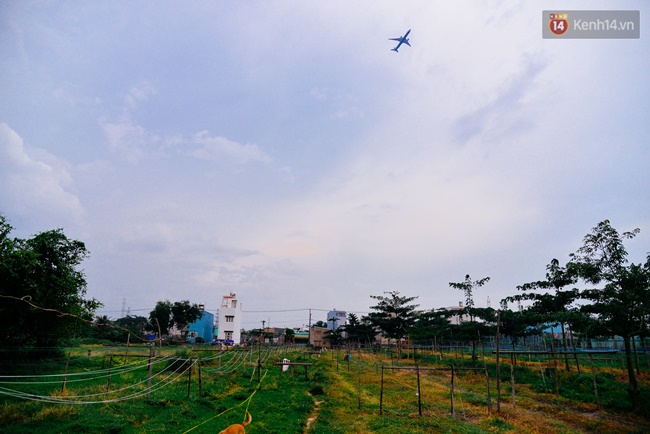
{"x":394,"y":316}
{"x":556,"y":308}
{"x":43,"y":291}
{"x":622,"y":305}
{"x":180,"y":314}
{"x":468,"y":286}
{"x":471,"y":328}
{"x":359,"y":330}
{"x":160,"y":317}
{"x":183,"y":314}
{"x":335,"y":336}
{"x":289,"y":335}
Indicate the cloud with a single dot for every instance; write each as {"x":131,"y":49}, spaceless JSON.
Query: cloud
{"x":217,"y":148}
{"x":129,"y":140}
{"x":35,"y":186}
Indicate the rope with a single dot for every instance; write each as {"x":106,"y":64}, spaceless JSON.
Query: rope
{"x":247,"y":402}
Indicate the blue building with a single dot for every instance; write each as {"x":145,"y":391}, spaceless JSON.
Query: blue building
{"x":202,"y":330}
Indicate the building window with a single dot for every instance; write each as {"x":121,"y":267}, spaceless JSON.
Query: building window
{"x":230,"y":318}
{"x":228,"y":336}
{"x":234,"y":303}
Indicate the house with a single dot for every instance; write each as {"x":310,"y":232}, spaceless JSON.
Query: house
{"x":230,"y":317}
{"x":202,"y":330}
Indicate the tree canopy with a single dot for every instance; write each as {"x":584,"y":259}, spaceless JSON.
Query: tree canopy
{"x":42,"y":288}
{"x":394,"y":316}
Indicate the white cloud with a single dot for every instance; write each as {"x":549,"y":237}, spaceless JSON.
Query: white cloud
{"x":34,"y":187}
{"x":217,"y":148}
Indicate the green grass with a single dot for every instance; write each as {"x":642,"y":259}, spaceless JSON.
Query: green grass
{"x":348,"y":397}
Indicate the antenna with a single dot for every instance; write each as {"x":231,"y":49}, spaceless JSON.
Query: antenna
{"x":123,"y":306}
{"x":488,"y":304}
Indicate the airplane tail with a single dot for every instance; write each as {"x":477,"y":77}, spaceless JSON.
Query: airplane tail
{"x":248,"y":420}
{"x":394,"y":49}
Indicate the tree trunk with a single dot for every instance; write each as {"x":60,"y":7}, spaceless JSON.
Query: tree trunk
{"x":633,"y":387}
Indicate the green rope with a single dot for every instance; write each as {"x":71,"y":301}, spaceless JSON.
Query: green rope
{"x":247,"y":402}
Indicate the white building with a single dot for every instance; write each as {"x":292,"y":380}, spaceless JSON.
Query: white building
{"x":458,"y":318}
{"x":230,"y":319}
{"x":336,"y":319}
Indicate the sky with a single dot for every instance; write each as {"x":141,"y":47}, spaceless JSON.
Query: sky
{"x":280,"y":150}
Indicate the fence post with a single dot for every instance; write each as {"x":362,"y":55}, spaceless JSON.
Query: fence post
{"x":381,"y":392}
{"x":417,"y":368}
{"x":151,"y":350}
{"x":108,"y":380}
{"x":200,"y":379}
{"x":67,"y":363}
{"x":453,"y":409}
{"x":189,"y":377}
{"x":497,"y":363}
{"x":593,"y":374}
{"x":487,"y":382}
{"x":512,"y":379}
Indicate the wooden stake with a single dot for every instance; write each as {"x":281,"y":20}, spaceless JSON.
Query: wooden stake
{"x":67,"y":363}
{"x":381,"y":393}
{"x":593,"y":374}
{"x":453,"y":408}
{"x":498,"y":366}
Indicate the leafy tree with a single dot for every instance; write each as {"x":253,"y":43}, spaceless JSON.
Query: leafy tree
{"x":468,"y":286}
{"x":622,"y":305}
{"x":471,"y":329}
{"x":160,"y":317}
{"x":431,"y":324}
{"x":394,"y":316}
{"x":42,"y":289}
{"x":289,"y":335}
{"x":359,"y":330}
{"x":335,"y":336}
{"x":556,"y":308}
{"x":104,"y":328}
{"x":183,"y":314}
{"x":180,"y":314}
{"x":131,"y":324}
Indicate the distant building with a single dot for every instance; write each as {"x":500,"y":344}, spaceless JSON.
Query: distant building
{"x":318,"y":337}
{"x":458,"y":318}
{"x":230,"y":317}
{"x":202,"y":330}
{"x":336,"y":319}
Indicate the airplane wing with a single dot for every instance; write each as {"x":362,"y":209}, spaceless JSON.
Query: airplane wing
{"x":395,"y":39}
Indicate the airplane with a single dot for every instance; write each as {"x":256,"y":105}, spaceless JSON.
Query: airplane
{"x":401,"y":40}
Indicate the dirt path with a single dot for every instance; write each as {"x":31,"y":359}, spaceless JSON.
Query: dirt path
{"x":314,"y":414}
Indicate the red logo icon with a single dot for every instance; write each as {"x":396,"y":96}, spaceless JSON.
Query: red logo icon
{"x":558,"y":24}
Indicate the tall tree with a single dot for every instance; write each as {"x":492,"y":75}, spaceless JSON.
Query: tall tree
{"x":471,"y":329}
{"x":394,"y":316}
{"x":622,"y":305}
{"x":553,"y":308}
{"x":468,"y":286}
{"x":359,"y":331}
{"x":43,"y":290}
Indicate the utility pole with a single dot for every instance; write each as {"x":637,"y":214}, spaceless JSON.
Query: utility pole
{"x":309,"y":329}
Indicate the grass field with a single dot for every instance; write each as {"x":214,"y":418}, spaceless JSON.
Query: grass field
{"x":205,"y":391}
